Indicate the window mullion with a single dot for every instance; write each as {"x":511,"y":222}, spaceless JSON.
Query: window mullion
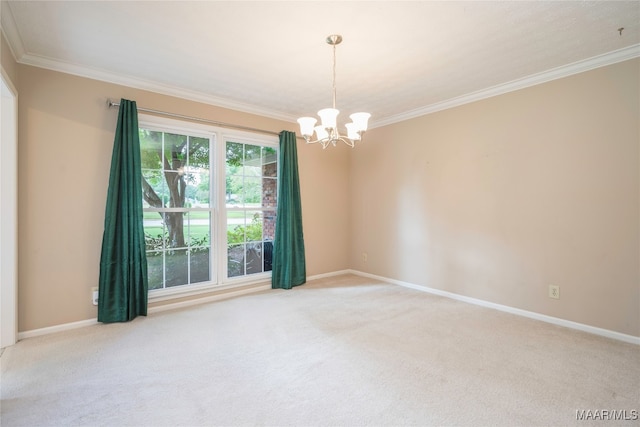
{"x":178,"y":267}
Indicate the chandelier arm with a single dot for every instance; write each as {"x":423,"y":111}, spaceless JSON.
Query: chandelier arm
{"x":347,"y":141}
{"x":329,"y":129}
{"x":326,"y":141}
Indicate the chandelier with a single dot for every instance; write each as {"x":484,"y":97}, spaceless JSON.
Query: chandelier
{"x":327,"y":132}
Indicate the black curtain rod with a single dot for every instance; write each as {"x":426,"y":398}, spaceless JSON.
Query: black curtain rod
{"x":113,"y":104}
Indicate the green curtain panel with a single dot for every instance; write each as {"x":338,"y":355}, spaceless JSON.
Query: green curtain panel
{"x":289,"y":266}
{"x":123,"y":263}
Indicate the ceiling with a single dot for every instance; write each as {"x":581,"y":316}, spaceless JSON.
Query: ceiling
{"x":398,"y":59}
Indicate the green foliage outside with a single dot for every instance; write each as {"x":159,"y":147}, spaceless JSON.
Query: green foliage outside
{"x":156,"y":241}
{"x":243,"y":172}
{"x":176,"y":174}
{"x":246,"y":233}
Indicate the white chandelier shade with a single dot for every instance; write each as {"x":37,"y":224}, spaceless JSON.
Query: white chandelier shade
{"x":327,"y":132}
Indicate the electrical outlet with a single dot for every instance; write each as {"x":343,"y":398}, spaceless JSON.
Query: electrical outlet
{"x":554,"y":291}
{"x":364,"y":257}
{"x":94,"y":296}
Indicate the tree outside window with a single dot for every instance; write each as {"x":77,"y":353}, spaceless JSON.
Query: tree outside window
{"x":177,"y":202}
{"x":180,"y":209}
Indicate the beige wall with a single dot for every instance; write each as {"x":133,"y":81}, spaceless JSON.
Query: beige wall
{"x":497,"y":199}
{"x":494,"y":200}
{"x":65,"y":142}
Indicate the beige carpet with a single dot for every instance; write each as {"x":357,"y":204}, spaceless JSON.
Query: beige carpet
{"x":345,"y":351}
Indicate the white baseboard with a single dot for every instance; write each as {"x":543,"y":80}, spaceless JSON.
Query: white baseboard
{"x":325,"y":275}
{"x":157,"y":309}
{"x":160,"y":308}
{"x":524,"y":313}
{"x":57,"y":328}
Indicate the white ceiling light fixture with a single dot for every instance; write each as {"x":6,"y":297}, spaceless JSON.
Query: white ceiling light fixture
{"x":327,"y":132}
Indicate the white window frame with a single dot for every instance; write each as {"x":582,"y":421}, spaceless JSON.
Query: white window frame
{"x":247,"y":140}
{"x":218,"y":137}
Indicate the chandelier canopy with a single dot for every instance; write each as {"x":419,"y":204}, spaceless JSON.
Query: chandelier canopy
{"x":327,"y":132}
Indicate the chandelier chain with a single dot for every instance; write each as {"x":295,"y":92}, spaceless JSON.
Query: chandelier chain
{"x":334,"y":76}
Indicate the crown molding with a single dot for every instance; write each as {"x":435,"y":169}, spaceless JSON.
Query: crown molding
{"x":624,"y":54}
{"x":609,"y":58}
{"x":148,"y":85}
{"x":10,"y":31}
{"x":12,"y":35}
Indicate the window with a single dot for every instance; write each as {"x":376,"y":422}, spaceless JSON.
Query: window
{"x":177,"y":207}
{"x":251,"y":183}
{"x":209,"y":207}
